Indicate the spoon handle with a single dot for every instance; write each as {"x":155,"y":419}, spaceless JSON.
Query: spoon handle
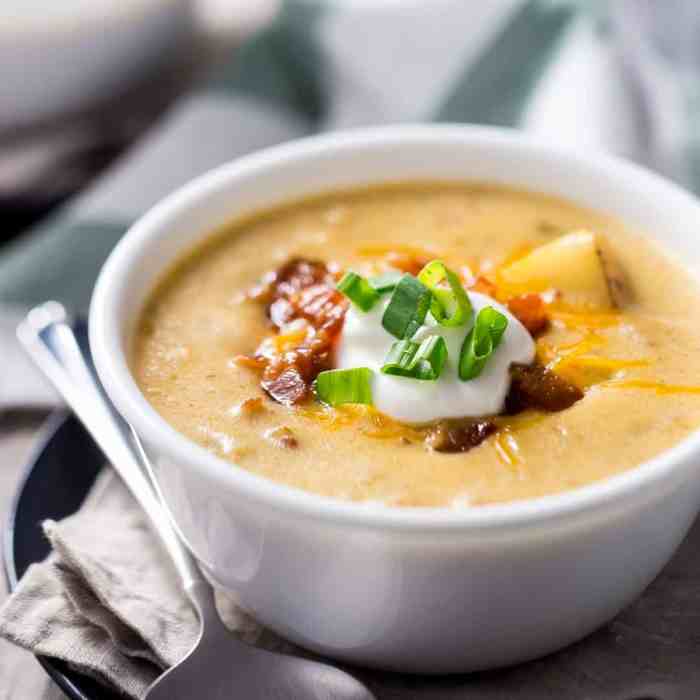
{"x":64,"y":358}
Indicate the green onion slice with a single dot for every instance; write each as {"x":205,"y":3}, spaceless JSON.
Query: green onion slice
{"x":387,"y":282}
{"x":358,"y":290}
{"x":450,"y":305}
{"x":481,"y":341}
{"x":338,"y":386}
{"x":407,"y":307}
{"x":409,"y":359}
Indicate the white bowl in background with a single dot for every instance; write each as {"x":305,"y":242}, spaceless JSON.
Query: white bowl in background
{"x":61,"y":56}
{"x":411,"y":589}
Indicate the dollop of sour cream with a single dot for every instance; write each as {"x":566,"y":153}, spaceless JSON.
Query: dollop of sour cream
{"x":365,"y":343}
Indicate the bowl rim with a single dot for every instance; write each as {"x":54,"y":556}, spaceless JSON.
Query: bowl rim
{"x":111,"y":363}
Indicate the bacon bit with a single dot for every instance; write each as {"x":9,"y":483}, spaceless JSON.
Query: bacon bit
{"x":304,"y":289}
{"x":287,"y":378}
{"x":535,"y":386}
{"x":297,"y":274}
{"x":282,"y":437}
{"x":304,"y":304}
{"x":324,"y":307}
{"x":288,"y":387}
{"x":530,"y":310}
{"x":249,"y":407}
{"x":294,"y":275}
{"x":458,"y":436}
{"x":280,"y":312}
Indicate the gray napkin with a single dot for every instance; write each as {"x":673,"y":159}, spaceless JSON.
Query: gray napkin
{"x":107,"y":602}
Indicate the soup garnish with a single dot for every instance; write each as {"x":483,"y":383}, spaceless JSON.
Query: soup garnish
{"x":424,"y":312}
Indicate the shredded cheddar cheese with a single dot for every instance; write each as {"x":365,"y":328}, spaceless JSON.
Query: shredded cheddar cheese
{"x":585,"y":319}
{"x":657,"y":387}
{"x":374,"y":249}
{"x":605,"y":363}
{"x":365,"y":418}
{"x":290,"y":340}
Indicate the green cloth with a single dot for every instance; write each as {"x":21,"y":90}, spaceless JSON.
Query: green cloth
{"x":495,"y":89}
{"x":292,"y":79}
{"x":58,"y":260}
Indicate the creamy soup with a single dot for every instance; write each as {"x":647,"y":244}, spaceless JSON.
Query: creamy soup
{"x":595,"y":373}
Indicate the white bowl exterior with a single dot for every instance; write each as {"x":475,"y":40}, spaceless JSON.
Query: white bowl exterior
{"x":427,"y":602}
{"x":424,"y":590}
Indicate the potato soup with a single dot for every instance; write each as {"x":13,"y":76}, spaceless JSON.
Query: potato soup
{"x":426,"y":344}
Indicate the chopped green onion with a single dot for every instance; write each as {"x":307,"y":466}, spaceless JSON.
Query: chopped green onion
{"x":450,"y":306}
{"x":387,"y":282}
{"x":337,"y":386}
{"x":481,"y":341}
{"x":407,"y":307}
{"x":358,"y":290}
{"x":409,"y":359}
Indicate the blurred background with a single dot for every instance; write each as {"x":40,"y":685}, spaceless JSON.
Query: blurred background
{"x":106,"y":106}
{"x":83,"y":81}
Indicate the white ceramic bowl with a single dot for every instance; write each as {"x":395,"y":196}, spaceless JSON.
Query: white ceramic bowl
{"x":425,"y":590}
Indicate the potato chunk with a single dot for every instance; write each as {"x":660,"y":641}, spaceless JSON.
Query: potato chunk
{"x":570,"y":264}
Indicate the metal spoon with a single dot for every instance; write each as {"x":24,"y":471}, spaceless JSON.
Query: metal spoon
{"x":219,"y":666}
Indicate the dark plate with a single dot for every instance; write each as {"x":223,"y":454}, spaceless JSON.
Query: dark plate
{"x":650,"y":652}
{"x":50,"y":490}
